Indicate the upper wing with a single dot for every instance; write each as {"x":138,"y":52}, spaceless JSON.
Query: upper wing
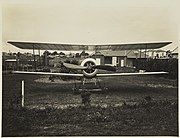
{"x":130,"y":74}
{"x":76,"y":47}
{"x":48,"y":73}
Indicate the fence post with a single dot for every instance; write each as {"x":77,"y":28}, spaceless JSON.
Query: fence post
{"x":22,"y":100}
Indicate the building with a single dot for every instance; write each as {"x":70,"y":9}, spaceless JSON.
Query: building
{"x":157,"y":53}
{"x":118,"y":58}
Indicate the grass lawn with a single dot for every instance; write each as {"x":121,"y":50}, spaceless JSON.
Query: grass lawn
{"x":122,"y":110}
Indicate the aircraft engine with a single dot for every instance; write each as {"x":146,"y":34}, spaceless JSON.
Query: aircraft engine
{"x":90,"y":71}
{"x":89,"y":67}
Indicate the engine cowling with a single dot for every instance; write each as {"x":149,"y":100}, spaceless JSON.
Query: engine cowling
{"x":90,"y":72}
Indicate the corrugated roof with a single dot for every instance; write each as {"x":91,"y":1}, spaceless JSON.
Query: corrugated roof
{"x":135,"y":54}
{"x":113,"y":53}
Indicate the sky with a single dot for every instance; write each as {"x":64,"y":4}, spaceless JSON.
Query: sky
{"x":89,"y":21}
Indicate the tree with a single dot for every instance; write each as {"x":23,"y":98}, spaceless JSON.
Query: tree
{"x":169,"y":54}
{"x":54,"y":53}
{"x":18,"y":54}
{"x":77,"y":55}
{"x":62,"y":54}
{"x":84,"y":53}
{"x":46,"y":52}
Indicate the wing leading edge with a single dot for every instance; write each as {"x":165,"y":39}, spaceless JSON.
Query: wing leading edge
{"x":130,"y":74}
{"x":81,"y":75}
{"x":48,"y":73}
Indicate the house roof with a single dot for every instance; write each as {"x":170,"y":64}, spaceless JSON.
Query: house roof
{"x":136,"y":54}
{"x":113,"y":53}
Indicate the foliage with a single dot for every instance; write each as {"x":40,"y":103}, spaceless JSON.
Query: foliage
{"x":167,"y":65}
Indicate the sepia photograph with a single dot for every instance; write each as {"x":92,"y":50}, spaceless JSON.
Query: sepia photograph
{"x":89,"y":68}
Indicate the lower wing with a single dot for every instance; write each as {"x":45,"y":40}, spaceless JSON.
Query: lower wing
{"x":81,"y":75}
{"x":48,"y":73}
{"x":130,"y":74}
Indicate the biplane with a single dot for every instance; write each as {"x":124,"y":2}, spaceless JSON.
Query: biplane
{"x":88,"y":68}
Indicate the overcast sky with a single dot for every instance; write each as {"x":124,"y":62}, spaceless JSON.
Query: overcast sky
{"x":90,"y":21}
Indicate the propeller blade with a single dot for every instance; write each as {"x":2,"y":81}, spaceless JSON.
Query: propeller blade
{"x":73,"y":66}
{"x":105,"y":67}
